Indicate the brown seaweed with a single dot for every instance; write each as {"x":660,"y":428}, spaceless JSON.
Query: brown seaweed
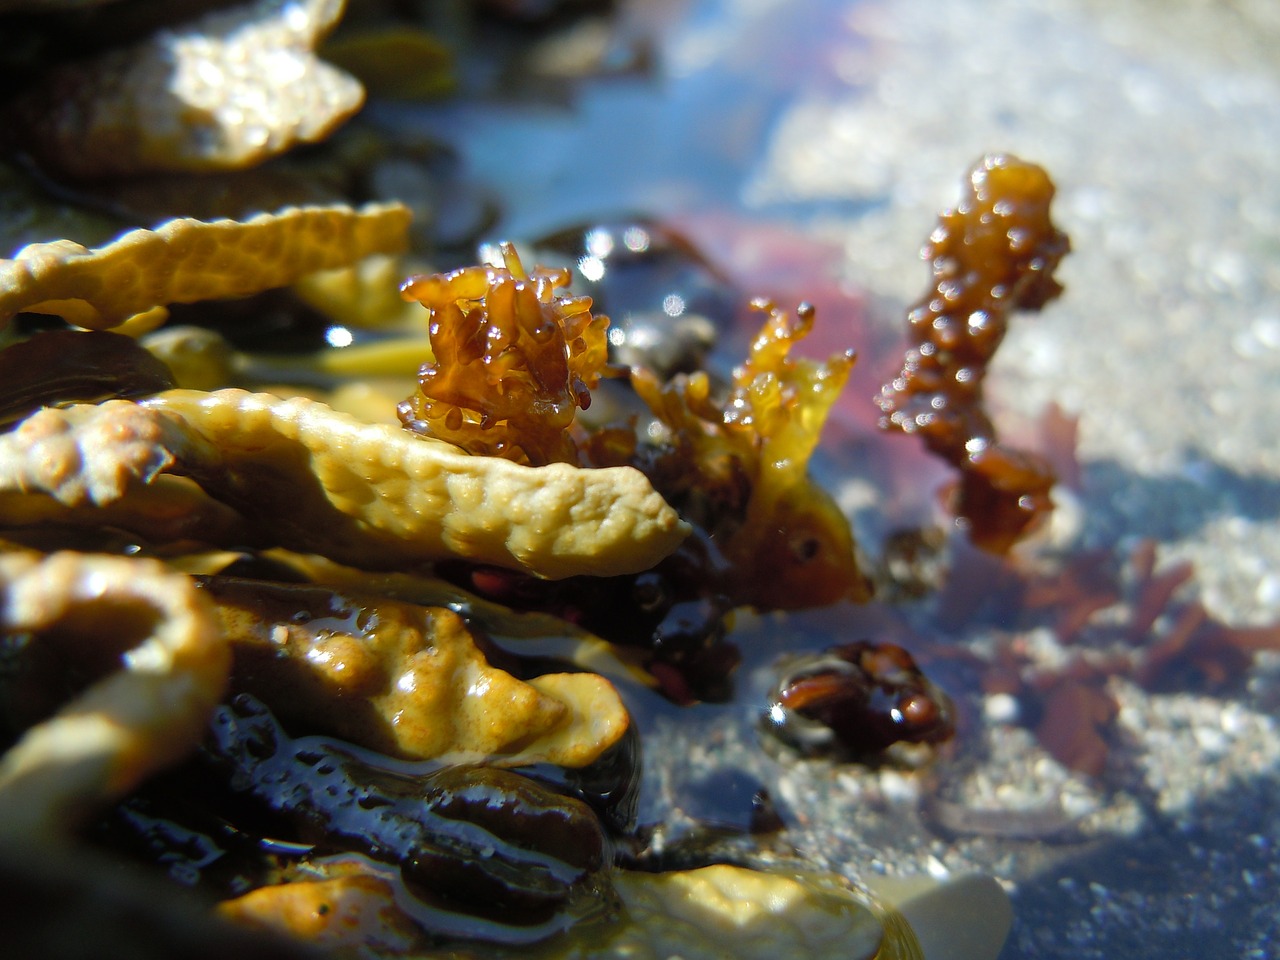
{"x":993,"y":254}
{"x":64,"y":366}
{"x":737,"y":469}
{"x":513,"y":361}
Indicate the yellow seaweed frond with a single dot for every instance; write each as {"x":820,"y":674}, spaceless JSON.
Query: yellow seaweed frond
{"x":312,"y":479}
{"x":406,"y":680}
{"x":128,"y":724}
{"x":185,"y":261}
{"x":740,"y":470}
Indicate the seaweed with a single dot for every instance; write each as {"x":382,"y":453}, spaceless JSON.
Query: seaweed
{"x":513,"y":362}
{"x":995,"y":253}
{"x":470,"y":840}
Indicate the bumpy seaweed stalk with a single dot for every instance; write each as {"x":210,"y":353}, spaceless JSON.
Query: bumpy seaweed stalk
{"x":312,"y":479}
{"x":994,"y":254}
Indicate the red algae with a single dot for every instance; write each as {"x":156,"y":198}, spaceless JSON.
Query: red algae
{"x":1074,"y":723}
{"x":1122,"y":616}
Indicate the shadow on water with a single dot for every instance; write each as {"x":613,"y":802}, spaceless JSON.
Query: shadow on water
{"x":1170,"y":506}
{"x":1203,"y":885}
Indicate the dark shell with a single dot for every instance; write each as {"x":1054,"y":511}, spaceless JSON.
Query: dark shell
{"x":857,"y":700}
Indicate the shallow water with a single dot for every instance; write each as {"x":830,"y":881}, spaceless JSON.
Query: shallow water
{"x":807,"y":147}
{"x":686,"y":139}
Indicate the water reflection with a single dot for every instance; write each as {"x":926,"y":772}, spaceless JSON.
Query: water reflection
{"x":686,"y":137}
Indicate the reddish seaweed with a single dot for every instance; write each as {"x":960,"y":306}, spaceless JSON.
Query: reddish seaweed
{"x":1123,"y":615}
